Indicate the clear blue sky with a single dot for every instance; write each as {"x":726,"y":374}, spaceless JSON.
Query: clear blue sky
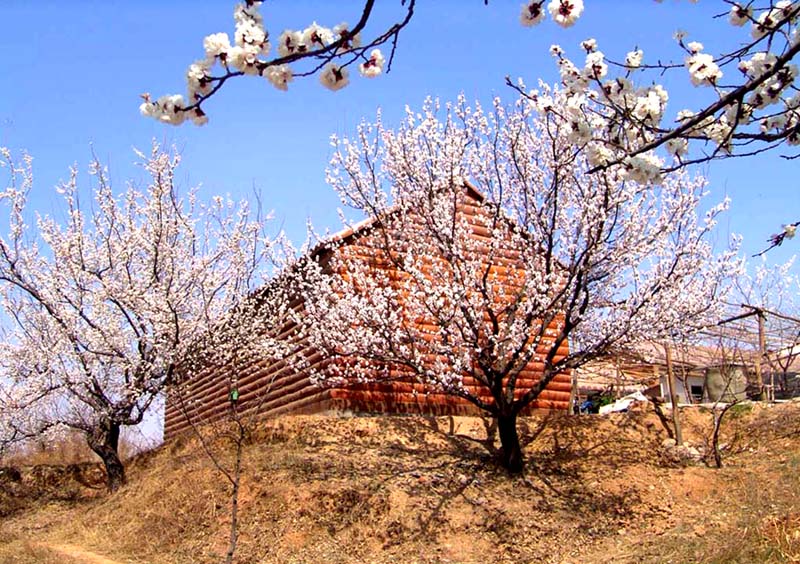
{"x":73,"y":72}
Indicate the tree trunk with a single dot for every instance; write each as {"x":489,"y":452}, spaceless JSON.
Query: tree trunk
{"x":715,"y":436}
{"x":511,"y":454}
{"x":104,"y":441}
{"x":237,"y":477}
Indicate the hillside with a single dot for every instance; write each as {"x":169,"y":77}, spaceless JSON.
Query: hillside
{"x":405,"y":489}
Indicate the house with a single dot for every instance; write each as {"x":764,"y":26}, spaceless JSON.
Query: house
{"x":701,"y":373}
{"x":273,"y":386}
{"x":784,"y":370}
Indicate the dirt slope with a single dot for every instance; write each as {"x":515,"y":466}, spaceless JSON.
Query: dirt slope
{"x":78,"y":554}
{"x":406,"y":489}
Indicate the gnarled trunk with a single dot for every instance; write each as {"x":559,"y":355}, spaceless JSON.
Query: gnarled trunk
{"x":104,"y":441}
{"x":511,"y":454}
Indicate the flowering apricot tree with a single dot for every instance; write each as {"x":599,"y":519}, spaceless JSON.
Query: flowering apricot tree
{"x":553,"y":257}
{"x":100,"y":310}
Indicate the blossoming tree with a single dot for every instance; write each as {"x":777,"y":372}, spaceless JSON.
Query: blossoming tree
{"x":772,"y":293}
{"x":557,"y":257}
{"x":749,"y":101}
{"x":99,"y":310}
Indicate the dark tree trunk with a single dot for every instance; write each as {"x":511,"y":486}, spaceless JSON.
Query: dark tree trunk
{"x":511,"y":453}
{"x":715,"y":436}
{"x":237,"y":476}
{"x":104,"y":441}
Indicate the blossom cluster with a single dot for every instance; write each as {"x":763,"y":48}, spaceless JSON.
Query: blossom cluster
{"x":620,"y":123}
{"x":250,"y":54}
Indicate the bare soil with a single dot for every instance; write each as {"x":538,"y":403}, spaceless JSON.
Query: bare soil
{"x":79,"y":554}
{"x":427,"y":490}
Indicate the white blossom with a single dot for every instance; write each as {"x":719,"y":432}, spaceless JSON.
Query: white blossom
{"x":316,"y":36}
{"x":244,"y":59}
{"x":740,"y":15}
{"x":644,"y":169}
{"x":565,"y":12}
{"x":334,"y":77}
{"x":580,"y":131}
{"x":703,"y":70}
{"x":719,"y":131}
{"x":374,"y":65}
{"x":244,"y":13}
{"x":758,"y":64}
{"x":650,"y":107}
{"x":216,"y":44}
{"x":197,"y":78}
{"x":166,"y":109}
{"x":595,"y":65}
{"x":634,"y":59}
{"x":694,"y":46}
{"x":598,"y":154}
{"x":532,"y":13}
{"x":793,"y":129}
{"x":677,"y":147}
{"x":252,"y":35}
{"x":342,"y":31}
{"x":773,"y":122}
{"x":279,"y":76}
{"x":291,"y":42}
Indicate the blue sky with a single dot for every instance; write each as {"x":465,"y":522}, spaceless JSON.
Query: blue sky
{"x":73,"y":72}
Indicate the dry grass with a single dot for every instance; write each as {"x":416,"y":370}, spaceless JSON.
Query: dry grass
{"x":27,"y":552}
{"x":746,"y":512}
{"x":754,"y":521}
{"x":68,"y":449}
{"x":71,"y":448}
{"x":401,"y":489}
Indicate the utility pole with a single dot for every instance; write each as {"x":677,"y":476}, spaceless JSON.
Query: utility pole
{"x":676,"y":421}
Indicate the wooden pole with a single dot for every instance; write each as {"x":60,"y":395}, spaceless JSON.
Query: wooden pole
{"x":762,"y":354}
{"x":676,"y":421}
{"x":573,"y":392}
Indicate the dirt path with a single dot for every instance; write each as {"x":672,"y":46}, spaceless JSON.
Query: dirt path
{"x":79,"y":554}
